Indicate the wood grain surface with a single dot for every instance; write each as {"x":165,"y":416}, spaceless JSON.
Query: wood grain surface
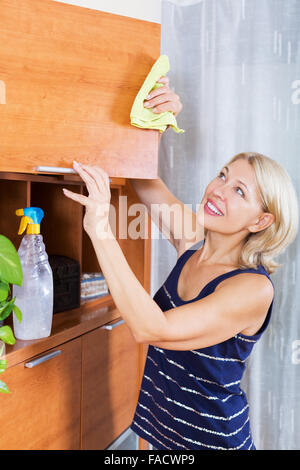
{"x":70,"y":76}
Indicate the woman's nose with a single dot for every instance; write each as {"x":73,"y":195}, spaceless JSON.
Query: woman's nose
{"x":220,"y":191}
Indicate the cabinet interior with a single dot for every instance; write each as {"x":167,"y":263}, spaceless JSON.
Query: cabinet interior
{"x":62,"y":224}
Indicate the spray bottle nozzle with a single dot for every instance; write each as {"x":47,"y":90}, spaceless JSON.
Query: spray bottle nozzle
{"x":31,"y":219}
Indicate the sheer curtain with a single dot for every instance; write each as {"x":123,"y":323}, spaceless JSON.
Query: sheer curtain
{"x":236,"y":66}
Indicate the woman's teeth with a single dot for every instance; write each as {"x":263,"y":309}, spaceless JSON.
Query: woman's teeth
{"x":213,"y":208}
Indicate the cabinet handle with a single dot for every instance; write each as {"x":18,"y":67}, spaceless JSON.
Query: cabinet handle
{"x":110,"y":327}
{"x":56,"y":169}
{"x":42,"y":359}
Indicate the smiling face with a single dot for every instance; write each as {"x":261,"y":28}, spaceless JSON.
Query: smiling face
{"x":234,"y":194}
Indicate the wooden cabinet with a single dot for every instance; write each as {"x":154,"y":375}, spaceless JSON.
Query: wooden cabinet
{"x":78,"y":395}
{"x":109,"y":370}
{"x":43,"y":409}
{"x":86,"y":396}
{"x":68,"y":79}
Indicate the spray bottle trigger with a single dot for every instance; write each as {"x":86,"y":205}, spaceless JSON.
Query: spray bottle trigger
{"x":24,"y":221}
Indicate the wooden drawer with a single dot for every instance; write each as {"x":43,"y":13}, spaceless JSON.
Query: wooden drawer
{"x":43,"y":409}
{"x":110,"y":378}
{"x":68,"y":79}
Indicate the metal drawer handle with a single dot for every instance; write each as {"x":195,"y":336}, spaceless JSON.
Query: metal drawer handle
{"x":57,"y":169}
{"x":110,"y":327}
{"x":42,"y":359}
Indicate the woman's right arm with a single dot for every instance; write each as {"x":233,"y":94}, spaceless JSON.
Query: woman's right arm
{"x":176,"y":221}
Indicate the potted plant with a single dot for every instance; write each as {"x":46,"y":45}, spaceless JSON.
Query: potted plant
{"x":10,"y":273}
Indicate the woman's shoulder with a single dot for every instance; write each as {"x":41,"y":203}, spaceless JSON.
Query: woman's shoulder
{"x":258,"y":280}
{"x":261,"y":275}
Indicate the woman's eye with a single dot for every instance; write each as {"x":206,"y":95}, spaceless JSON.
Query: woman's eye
{"x":223,"y":174}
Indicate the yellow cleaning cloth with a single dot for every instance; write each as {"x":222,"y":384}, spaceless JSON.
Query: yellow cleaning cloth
{"x":146,"y":118}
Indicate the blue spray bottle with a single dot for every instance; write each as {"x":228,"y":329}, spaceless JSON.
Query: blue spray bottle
{"x":35,"y":296}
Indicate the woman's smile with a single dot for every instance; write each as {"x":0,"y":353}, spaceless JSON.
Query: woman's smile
{"x":211,"y":209}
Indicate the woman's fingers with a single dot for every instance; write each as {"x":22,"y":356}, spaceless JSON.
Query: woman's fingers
{"x":164,"y":80}
{"x":87,"y":178}
{"x":95,"y":178}
{"x":93,"y":175}
{"x":103,"y":176}
{"x":158,"y":91}
{"x":162,"y":98}
{"x":168,"y":106}
{"x":97,"y":204}
{"x":165,"y":103}
{"x":84,"y":200}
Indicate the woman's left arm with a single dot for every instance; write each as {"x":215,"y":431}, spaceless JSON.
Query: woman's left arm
{"x":239,"y":303}
{"x":136,"y":306}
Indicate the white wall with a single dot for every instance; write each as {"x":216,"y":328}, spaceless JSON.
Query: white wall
{"x":149,"y":10}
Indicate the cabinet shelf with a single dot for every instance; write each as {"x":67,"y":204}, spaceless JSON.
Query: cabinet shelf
{"x":68,"y":239}
{"x":65,"y":326}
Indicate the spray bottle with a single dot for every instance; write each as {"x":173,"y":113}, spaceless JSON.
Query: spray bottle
{"x":35,"y":296}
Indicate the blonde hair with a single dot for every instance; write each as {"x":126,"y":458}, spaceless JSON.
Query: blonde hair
{"x":278,"y":197}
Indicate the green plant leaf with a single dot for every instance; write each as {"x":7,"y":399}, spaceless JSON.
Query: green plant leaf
{"x":6,"y":335}
{"x":4,"y":290}
{"x":10,"y":265}
{"x":18,"y":313}
{"x":6,"y":309}
{"x":3,"y":387}
{"x":3,"y":364}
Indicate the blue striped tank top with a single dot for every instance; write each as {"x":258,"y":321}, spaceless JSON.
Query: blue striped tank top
{"x":192,"y":400}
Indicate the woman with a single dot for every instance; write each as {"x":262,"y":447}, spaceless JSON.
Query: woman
{"x":203,"y":322}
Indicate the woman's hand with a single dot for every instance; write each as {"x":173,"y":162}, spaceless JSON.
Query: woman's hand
{"x":163,"y":99}
{"x":96,"y":220}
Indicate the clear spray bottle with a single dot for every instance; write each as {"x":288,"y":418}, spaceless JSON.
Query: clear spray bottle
{"x":35,"y":296}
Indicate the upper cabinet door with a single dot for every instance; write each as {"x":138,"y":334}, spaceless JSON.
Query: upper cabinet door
{"x":68,"y":79}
